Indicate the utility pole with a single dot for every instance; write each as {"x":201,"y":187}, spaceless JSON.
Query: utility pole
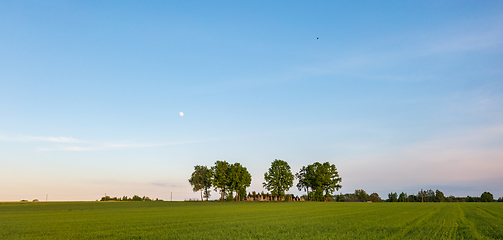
{"x":172,"y":196}
{"x":46,"y":196}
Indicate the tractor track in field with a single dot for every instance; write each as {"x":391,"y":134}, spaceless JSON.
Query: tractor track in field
{"x":469,"y":225}
{"x":497,"y":216}
{"x":412,"y":225}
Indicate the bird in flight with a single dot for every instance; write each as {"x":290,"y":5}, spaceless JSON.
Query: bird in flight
{"x":317,"y":38}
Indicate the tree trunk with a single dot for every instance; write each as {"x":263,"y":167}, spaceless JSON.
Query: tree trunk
{"x":202,"y":195}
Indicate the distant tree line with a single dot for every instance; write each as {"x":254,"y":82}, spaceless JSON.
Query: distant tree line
{"x":436,"y":196}
{"x":358,"y":196}
{"x":254,"y":196}
{"x":422,"y":196}
{"x":135,"y":198}
{"x":319,"y":180}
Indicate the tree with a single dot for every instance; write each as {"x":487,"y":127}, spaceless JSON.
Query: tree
{"x":239,"y":180}
{"x":426,"y":196}
{"x":392,"y":197}
{"x":321,"y":178}
{"x":201,"y":180}
{"x":220,"y":176}
{"x":439,"y":196}
{"x":340,"y":197}
{"x":315,"y":173}
{"x":487,"y":197}
{"x":331,"y":179}
{"x":279,"y":178}
{"x":374,"y":197}
{"x":304,"y":180}
{"x":402,"y":197}
{"x":420,"y":195}
{"x":361,"y":194}
{"x":429,"y":196}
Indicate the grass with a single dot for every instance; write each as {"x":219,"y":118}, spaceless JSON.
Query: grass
{"x":250,"y":220}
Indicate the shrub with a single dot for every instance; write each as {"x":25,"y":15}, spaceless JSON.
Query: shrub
{"x":288,"y":197}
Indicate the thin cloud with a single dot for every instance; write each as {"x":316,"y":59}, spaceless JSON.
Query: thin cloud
{"x":159,"y":184}
{"x":55,"y":139}
{"x":73,"y":149}
{"x":40,"y":139}
{"x":115,"y":146}
{"x":93,"y":145}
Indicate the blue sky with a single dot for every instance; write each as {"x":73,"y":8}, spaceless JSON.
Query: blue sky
{"x":399,"y":95}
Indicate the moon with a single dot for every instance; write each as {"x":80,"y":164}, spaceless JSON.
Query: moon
{"x":181,"y":114}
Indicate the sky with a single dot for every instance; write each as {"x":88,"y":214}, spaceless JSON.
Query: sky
{"x":400,"y":96}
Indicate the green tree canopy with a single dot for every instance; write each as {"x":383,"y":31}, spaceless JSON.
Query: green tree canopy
{"x":374,"y":197}
{"x":321,"y":178}
{"x":304,"y":179}
{"x":361,"y":194}
{"x":402,"y":197}
{"x":278,"y":178}
{"x":487,"y":197}
{"x":201,"y":180}
{"x":239,"y":180}
{"x":439,"y":196}
{"x":392,"y":197}
{"x":229,"y":178}
{"x":220,"y":177}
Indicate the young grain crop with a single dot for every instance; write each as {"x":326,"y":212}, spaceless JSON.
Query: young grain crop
{"x":250,"y":220}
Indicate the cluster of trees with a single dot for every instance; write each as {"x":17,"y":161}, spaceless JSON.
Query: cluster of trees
{"x":437,"y":196}
{"x":319,"y":180}
{"x":322,"y":178}
{"x":422,"y":196}
{"x":254,"y":196}
{"x":223,"y":177}
{"x":358,"y":196}
{"x":135,"y":198}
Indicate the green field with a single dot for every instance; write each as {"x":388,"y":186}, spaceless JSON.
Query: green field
{"x":250,"y":220}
